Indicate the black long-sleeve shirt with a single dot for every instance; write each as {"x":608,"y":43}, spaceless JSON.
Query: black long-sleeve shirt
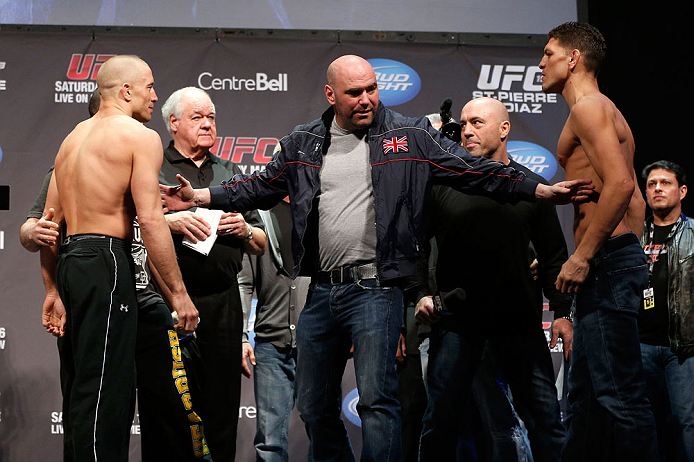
{"x":483,"y":248}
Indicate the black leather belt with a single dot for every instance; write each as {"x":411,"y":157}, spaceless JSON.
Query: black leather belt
{"x":346,"y":274}
{"x":618,"y":242}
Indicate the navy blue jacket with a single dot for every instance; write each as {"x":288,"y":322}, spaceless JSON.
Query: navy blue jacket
{"x":408,"y":156}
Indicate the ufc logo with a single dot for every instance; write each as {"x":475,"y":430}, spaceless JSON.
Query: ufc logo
{"x":500,"y":77}
{"x":85,"y":67}
{"x":236,"y":148}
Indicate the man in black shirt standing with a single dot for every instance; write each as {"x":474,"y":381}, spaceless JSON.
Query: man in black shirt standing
{"x":666,"y":316}
{"x":189,"y":114}
{"x":483,"y":249}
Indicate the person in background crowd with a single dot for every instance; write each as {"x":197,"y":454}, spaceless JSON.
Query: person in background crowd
{"x":280,"y":300}
{"x":189,"y":115}
{"x":499,"y":312}
{"x":666,"y":317}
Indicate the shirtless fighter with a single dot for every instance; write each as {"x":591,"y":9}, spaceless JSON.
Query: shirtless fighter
{"x":608,"y":271}
{"x":106,"y":172}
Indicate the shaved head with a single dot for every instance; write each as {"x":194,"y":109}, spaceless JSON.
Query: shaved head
{"x":485,"y":127}
{"x":492,"y":107}
{"x":345,"y":64}
{"x":126,"y":82}
{"x":119,"y":70}
{"x":352,"y":90}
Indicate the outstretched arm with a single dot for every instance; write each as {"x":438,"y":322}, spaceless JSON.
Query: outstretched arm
{"x":183,"y":196}
{"x":566,"y":192}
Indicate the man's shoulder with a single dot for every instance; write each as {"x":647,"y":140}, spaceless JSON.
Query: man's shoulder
{"x":591,"y":107}
{"x":316,"y":127}
{"x":391,"y":119}
{"x":122,"y":130}
{"x":118,"y":121}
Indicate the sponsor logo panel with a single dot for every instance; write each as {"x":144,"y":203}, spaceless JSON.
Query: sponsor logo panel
{"x":534,"y":157}
{"x":258,"y":82}
{"x":519,"y":87}
{"x":398,"y":83}
{"x":248,"y":152}
{"x":80,"y":78}
{"x":57,"y":423}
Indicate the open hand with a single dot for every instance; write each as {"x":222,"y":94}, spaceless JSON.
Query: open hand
{"x":181,"y":197}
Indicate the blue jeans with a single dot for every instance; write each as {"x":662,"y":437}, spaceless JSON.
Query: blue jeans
{"x":606,"y":375}
{"x":670,"y":385}
{"x":508,"y":437}
{"x":334,"y":318}
{"x":525,"y":362}
{"x":273,"y":383}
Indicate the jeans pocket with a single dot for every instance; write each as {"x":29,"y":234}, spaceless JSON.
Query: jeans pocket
{"x":626,"y":286}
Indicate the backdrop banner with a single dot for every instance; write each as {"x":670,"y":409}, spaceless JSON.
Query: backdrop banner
{"x":262,"y":88}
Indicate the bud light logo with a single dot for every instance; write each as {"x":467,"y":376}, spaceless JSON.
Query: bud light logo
{"x":533,"y":157}
{"x":397,"y":82}
{"x":349,"y":407}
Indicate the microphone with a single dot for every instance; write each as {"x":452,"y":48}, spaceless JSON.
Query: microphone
{"x":445,"y":112}
{"x":449,"y":301}
{"x":450,"y":129}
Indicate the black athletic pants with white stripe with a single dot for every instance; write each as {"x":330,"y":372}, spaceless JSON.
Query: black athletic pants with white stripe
{"x":96,"y":284}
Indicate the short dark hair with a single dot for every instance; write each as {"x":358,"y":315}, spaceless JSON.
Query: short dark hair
{"x":680,"y":175}
{"x":94,"y":102}
{"x":584,"y":38}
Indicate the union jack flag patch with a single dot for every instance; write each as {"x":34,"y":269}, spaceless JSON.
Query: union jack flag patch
{"x":395,"y":144}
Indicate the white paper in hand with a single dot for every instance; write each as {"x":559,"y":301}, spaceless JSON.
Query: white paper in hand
{"x":212,"y":217}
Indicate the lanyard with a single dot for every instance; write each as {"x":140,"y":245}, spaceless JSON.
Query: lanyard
{"x":651,"y":232}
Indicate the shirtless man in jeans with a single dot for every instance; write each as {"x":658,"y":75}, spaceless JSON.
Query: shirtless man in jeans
{"x":608,"y":271}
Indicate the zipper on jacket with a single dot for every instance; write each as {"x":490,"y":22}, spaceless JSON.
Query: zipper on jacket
{"x":310,"y":208}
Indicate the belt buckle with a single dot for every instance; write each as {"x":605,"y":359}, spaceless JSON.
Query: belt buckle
{"x":341,"y":272}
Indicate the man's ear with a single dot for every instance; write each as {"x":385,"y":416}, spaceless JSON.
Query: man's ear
{"x":574,"y":57}
{"x":126,"y":92}
{"x":504,"y":129}
{"x":173,"y":123}
{"x":330,"y":94}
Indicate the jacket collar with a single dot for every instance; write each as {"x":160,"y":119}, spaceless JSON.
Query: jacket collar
{"x":329,"y":114}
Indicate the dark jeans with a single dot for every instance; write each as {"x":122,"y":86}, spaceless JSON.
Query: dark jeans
{"x":606,"y":371}
{"x":334,"y":318}
{"x":501,"y":436}
{"x":524,"y":361}
{"x":670,"y":385}
{"x":273,"y":383}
